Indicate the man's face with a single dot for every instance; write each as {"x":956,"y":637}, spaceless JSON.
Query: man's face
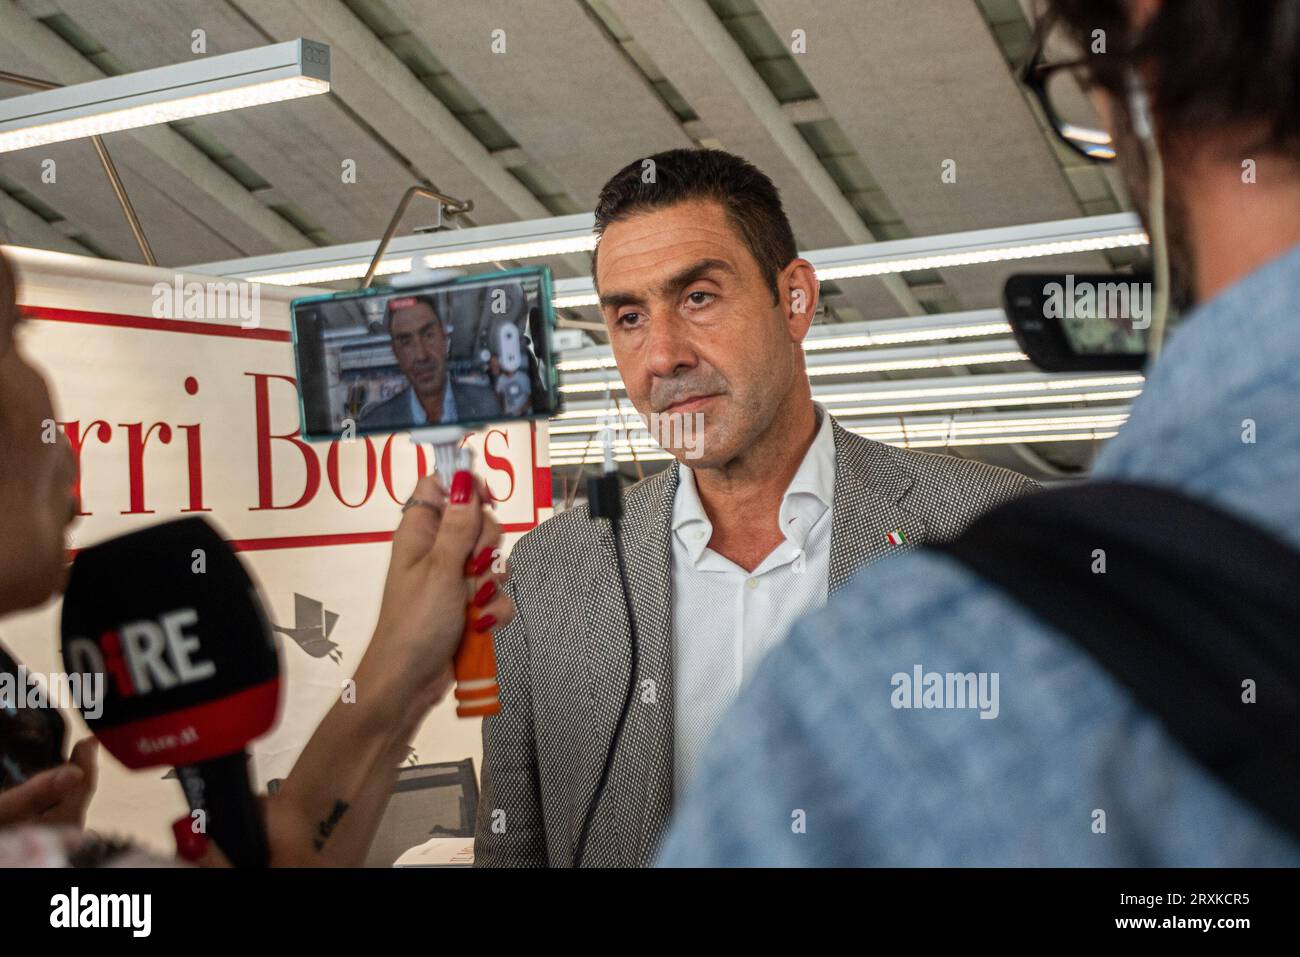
{"x":693,"y":326}
{"x":420,"y":345}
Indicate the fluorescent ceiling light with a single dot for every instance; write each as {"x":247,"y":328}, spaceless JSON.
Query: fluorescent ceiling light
{"x":231,"y":81}
{"x":572,"y":293}
{"x":856,"y":400}
{"x":820,"y":365}
{"x":634,"y":424}
{"x":1005,"y":382}
{"x":1027,"y":241}
{"x":1004,"y":244}
{"x":1082,"y":425}
{"x":561,"y":235}
{"x":451,"y":248}
{"x":873,"y":333}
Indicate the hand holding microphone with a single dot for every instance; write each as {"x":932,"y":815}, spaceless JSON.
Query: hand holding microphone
{"x":191,"y":676}
{"x":169,"y":622}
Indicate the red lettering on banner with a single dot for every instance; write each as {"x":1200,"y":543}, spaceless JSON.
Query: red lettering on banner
{"x":265,"y":485}
{"x":231,"y":452}
{"x":136,"y":440}
{"x":379,"y":462}
{"x":194,"y":455}
{"x":499,"y":463}
{"x":386,"y":468}
{"x":103,"y":432}
{"x":332,"y":470}
{"x":194,"y":460}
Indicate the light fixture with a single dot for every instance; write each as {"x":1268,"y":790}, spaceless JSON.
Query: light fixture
{"x":903,"y":408}
{"x":995,"y":428}
{"x":231,"y":81}
{"x":562,"y":235}
{"x":856,"y":399}
{"x":554,"y":236}
{"x":974,"y":324}
{"x":1003,"y":244}
{"x":851,"y":362}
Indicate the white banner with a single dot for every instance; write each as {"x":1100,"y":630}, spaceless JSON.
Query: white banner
{"x":178,"y":406}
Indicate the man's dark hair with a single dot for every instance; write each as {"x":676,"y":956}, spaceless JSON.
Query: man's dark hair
{"x":750,"y":199}
{"x":425,"y":300}
{"x":1215,"y":63}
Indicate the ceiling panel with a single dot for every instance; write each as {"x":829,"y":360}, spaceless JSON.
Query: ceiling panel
{"x":562,"y":89}
{"x":914,"y":83}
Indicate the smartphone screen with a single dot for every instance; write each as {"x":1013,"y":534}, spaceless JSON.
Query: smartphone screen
{"x":465,"y":351}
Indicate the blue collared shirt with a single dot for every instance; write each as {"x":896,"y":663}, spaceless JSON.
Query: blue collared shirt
{"x":815,"y":766}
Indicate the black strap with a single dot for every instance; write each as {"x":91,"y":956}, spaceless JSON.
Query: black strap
{"x":1192,"y":603}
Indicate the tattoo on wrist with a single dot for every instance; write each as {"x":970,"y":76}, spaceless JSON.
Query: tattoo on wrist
{"x":326,"y":827}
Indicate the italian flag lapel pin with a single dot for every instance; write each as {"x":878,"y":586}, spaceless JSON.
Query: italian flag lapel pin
{"x":896,"y":537}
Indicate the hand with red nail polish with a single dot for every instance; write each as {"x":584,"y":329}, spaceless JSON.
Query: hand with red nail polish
{"x":484,"y":594}
{"x":480,"y":562}
{"x":442,"y":555}
{"x":462,"y":487}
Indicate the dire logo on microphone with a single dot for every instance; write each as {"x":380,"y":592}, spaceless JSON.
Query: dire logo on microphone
{"x":144,"y":656}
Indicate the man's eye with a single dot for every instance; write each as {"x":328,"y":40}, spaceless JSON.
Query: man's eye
{"x":699,"y":298}
{"x":628,"y":319}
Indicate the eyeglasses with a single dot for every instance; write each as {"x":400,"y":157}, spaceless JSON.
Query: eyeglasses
{"x":1061,"y":91}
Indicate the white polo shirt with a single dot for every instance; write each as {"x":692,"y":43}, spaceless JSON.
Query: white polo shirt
{"x":724,"y":618}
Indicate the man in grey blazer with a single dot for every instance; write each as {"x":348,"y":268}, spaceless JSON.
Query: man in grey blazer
{"x":770,"y":507}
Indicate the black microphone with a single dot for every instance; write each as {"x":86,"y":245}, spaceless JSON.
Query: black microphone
{"x":171,"y":620}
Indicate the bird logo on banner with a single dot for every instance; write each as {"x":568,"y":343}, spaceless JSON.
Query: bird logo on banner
{"x":312,"y":626}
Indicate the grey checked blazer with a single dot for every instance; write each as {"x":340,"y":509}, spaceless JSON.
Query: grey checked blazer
{"x":563,"y":663}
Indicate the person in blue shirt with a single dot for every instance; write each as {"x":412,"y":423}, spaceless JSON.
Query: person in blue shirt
{"x":818,"y":762}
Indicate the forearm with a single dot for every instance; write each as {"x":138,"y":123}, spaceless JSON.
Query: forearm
{"x":329,"y":807}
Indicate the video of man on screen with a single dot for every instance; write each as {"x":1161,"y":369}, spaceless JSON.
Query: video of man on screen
{"x":462,"y":353}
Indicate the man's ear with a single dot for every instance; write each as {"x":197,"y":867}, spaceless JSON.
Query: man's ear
{"x":799,"y":296}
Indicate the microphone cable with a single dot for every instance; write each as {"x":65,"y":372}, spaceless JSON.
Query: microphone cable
{"x":605,"y":500}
